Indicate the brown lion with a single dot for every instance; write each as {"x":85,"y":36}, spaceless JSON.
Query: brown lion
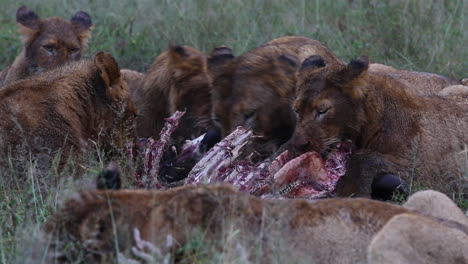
{"x":177,"y":80}
{"x":419,"y":139}
{"x":422,"y":83}
{"x":132,"y":78}
{"x":99,"y":223}
{"x":93,"y":104}
{"x":418,"y":239}
{"x":48,"y":43}
{"x":256,"y":89}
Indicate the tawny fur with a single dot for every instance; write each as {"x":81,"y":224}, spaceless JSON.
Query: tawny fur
{"x":177,"y":80}
{"x":325,"y":231}
{"x":455,"y":91}
{"x":65,"y":109}
{"x":417,"y":239}
{"x":421,"y":139}
{"x":255,"y":90}
{"x":422,"y":83}
{"x":436,"y":204}
{"x":47,"y":43}
{"x":133,"y":78}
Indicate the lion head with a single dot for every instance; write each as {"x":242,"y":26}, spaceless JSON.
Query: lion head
{"x":329,"y":103}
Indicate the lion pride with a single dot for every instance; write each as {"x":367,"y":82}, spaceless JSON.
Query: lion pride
{"x":92,"y":104}
{"x":256,"y":89}
{"x":48,"y":43}
{"x":96,"y":224}
{"x":420,"y":140}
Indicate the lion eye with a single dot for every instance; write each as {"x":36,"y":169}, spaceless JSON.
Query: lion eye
{"x":322,"y":111}
{"x":74,"y":50}
{"x":249,"y":115}
{"x":216,"y":119}
{"x":49,"y":48}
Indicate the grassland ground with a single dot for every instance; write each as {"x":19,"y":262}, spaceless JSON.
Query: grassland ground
{"x":420,"y":35}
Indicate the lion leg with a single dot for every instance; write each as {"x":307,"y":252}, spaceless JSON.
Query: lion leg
{"x":385,"y":185}
{"x":369,"y":175}
{"x":212,"y":136}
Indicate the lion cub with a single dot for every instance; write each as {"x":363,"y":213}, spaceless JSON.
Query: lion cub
{"x":256,"y":89}
{"x":48,"y":43}
{"x":92,"y":104}
{"x":418,"y":139}
{"x":177,"y":80}
{"x":422,"y":83}
{"x":99,"y":223}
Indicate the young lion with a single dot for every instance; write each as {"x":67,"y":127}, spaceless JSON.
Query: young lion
{"x":418,"y":139}
{"x":48,"y":43}
{"x":256,"y":90}
{"x":422,"y":83}
{"x":100,"y":223}
{"x":177,"y":80}
{"x":93,"y":103}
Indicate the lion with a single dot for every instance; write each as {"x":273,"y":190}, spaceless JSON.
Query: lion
{"x":436,"y":204}
{"x":132,"y":78}
{"x":99,"y":223}
{"x":417,"y":141}
{"x":256,"y":89}
{"x":417,"y":239}
{"x":92,"y":104}
{"x":177,"y":80}
{"x":47,"y":43}
{"x":422,"y":83}
{"x":454,"y":91}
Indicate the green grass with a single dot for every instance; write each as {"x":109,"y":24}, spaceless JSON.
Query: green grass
{"x":422,"y":35}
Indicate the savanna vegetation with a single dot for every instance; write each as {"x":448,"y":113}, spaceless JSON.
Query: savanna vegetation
{"x":420,"y":35}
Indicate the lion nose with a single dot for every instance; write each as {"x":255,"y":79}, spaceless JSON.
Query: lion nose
{"x":300,"y":143}
{"x":212,"y":136}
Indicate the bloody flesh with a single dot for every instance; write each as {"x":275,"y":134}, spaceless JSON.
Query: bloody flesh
{"x":306,"y":176}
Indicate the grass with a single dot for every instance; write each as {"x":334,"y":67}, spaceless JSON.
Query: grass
{"x":415,"y":35}
{"x":422,"y":35}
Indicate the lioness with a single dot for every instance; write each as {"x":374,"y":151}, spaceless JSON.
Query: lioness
{"x":132,"y":78}
{"x":417,"y":239}
{"x":93,"y":103}
{"x":48,"y":43}
{"x":418,"y":139}
{"x":177,"y":80}
{"x":296,"y":231}
{"x":422,"y":83}
{"x":256,"y":90}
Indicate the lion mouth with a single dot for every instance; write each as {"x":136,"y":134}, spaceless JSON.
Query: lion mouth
{"x":310,"y":175}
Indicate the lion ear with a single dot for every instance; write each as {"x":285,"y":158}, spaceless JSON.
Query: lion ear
{"x":28,"y":23}
{"x":313,"y":62}
{"x":178,"y":53}
{"x":289,"y":64}
{"x":219,"y":56}
{"x":352,"y":76}
{"x":109,"y":178}
{"x":355,"y":68}
{"x":182,"y":63}
{"x":82,"y":25}
{"x":108,"y":67}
